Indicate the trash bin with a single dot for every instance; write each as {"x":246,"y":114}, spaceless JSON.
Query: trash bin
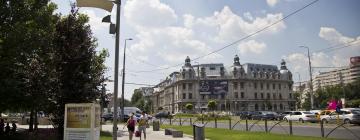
{"x":199,"y":133}
{"x":156,"y":125}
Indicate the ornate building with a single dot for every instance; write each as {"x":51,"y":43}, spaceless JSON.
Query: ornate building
{"x":240,"y":87}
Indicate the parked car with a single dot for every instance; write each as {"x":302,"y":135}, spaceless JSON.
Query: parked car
{"x":107,"y":117}
{"x":301,"y":116}
{"x":283,"y":114}
{"x":347,"y":115}
{"x":163,"y":115}
{"x":264,"y":115}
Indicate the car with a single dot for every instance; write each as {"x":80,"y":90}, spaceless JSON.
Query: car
{"x":107,"y":117}
{"x":346,"y":115}
{"x":283,"y":114}
{"x":301,"y":116}
{"x":264,"y":115}
{"x":163,"y":115}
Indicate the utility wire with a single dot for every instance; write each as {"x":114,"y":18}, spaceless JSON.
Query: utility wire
{"x":241,"y":39}
{"x":337,"y":46}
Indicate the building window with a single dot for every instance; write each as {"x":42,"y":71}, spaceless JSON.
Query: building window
{"x":263,"y":107}
{"x":280,"y":97}
{"x":190,"y":85}
{"x":242,"y":94}
{"x":212,"y":68}
{"x":273,"y":86}
{"x":184,"y":95}
{"x":255,"y":85}
{"x":267,"y":86}
{"x":203,"y":96}
{"x":280,"y":86}
{"x":268,"y":95}
{"x":256,"y":107}
{"x":290,"y":95}
{"x":222,"y":96}
{"x":242,"y":85}
{"x":184,"y":86}
{"x":261,"y":86}
{"x":290,"y":86}
{"x":275,"y":107}
{"x":255,"y":95}
{"x":190,"y":95}
{"x":236,"y":95}
{"x":262,"y":95}
{"x":235,"y":85}
{"x":274,"y":96}
{"x":281,"y":107}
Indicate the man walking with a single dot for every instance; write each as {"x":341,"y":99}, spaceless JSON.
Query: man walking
{"x":142,"y":124}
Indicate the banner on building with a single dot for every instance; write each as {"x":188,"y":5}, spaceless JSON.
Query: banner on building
{"x":216,"y":87}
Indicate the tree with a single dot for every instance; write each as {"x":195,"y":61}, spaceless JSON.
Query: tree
{"x":79,"y":68}
{"x":189,"y":106}
{"x":212,"y":104}
{"x":297,"y":97}
{"x":26,"y":33}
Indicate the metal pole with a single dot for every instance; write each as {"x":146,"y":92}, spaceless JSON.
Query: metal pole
{"x":198,"y":80}
{"x":123,"y":83}
{"x":117,"y":27}
{"x":300,"y":92}
{"x":310,"y":73}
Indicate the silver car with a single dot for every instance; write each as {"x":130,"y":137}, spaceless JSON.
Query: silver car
{"x":346,"y":115}
{"x":301,"y":116}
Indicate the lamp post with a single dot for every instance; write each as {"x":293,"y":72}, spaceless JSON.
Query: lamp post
{"x":310,"y":73}
{"x":300,"y":92}
{"x":198,"y":83}
{"x":123,"y":83}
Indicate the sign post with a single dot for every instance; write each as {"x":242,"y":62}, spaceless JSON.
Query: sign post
{"x":82,"y":121}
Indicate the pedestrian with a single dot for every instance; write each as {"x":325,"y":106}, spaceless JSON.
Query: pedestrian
{"x":142,"y":124}
{"x":13,"y":129}
{"x":131,"y":126}
{"x":2,"y":126}
{"x":7,"y":128}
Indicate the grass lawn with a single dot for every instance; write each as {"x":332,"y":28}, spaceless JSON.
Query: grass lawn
{"x":225,"y":134}
{"x":105,"y":135}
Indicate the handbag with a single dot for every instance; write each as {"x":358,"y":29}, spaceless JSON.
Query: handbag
{"x":137,"y":133}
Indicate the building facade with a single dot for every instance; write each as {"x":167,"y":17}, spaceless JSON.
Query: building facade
{"x":341,"y":76}
{"x":240,"y":87}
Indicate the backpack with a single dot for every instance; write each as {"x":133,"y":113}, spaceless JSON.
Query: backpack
{"x":131,"y":123}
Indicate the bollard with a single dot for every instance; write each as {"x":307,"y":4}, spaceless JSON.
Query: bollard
{"x":322,"y":128}
{"x":156,"y":125}
{"x":230,"y":123}
{"x":180,"y":121}
{"x":170,"y":122}
{"x":215,"y":122}
{"x":190,"y":121}
{"x":266,"y":126}
{"x":290,"y":125}
{"x":247,"y":125}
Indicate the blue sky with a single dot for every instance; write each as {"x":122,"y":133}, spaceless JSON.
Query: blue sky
{"x":166,"y":31}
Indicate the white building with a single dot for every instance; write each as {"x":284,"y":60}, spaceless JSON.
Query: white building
{"x":246,"y":87}
{"x":344,"y":75}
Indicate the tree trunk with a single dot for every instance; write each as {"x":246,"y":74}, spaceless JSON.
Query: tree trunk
{"x":36,"y":120}
{"x":31,"y":122}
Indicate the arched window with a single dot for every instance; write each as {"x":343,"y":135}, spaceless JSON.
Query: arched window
{"x":256,"y":107}
{"x":281,"y":107}
{"x":275,"y":107}
{"x":263,"y":107}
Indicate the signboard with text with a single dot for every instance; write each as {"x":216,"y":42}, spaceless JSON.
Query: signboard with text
{"x":216,"y":87}
{"x":82,"y":121}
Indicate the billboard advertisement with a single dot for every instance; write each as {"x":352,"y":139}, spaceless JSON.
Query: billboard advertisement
{"x":216,"y":87}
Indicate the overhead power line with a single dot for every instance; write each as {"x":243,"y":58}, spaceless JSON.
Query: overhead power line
{"x":338,"y":46}
{"x":241,"y":39}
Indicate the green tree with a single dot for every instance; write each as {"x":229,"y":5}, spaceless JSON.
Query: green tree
{"x":212,"y":104}
{"x":189,"y":106}
{"x":26,"y":33}
{"x":79,"y":68}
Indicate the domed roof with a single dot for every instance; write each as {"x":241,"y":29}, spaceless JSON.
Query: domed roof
{"x":283,"y":69}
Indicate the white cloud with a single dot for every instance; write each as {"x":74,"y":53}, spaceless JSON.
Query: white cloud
{"x":298,"y":62}
{"x":272,"y":3}
{"x":95,"y":21}
{"x":227,"y":26}
{"x":149,"y":13}
{"x":251,"y":46}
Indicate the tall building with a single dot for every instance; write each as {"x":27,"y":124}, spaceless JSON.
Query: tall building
{"x":340,"y":76}
{"x":240,"y":87}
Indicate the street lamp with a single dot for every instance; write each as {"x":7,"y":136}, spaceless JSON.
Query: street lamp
{"x":123,"y":83}
{"x":198,"y":83}
{"x":310,"y":73}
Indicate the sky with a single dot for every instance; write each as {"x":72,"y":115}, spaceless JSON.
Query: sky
{"x":164,"y":32}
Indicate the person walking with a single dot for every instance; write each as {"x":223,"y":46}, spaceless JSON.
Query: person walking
{"x":13,"y":129}
{"x":130,"y":124}
{"x":142,"y":124}
{"x":2,"y":126}
{"x":7,"y":129}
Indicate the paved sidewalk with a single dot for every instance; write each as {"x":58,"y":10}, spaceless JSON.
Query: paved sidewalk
{"x":150,"y":134}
